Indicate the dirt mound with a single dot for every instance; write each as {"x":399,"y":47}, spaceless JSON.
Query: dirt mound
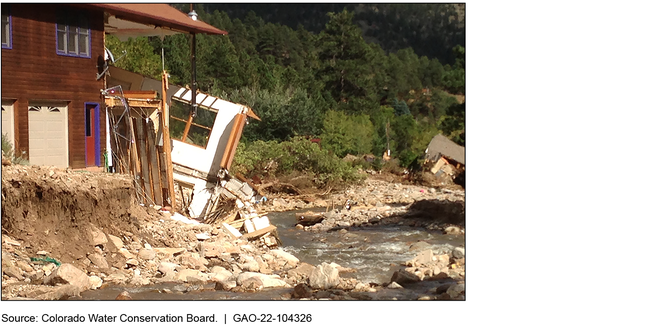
{"x":54,"y":210}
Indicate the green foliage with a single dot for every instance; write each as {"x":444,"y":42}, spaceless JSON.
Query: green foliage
{"x":140,"y":56}
{"x":401,"y":108}
{"x":453,"y":124}
{"x":9,"y":153}
{"x":343,"y":134}
{"x":284,"y":113}
{"x":360,"y":97}
{"x":299,"y":155}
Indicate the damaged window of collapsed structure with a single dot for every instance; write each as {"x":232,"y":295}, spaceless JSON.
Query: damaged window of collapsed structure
{"x":201,"y":149}
{"x":192,"y":130}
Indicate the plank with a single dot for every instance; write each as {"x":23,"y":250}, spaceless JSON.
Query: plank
{"x":167,"y":145}
{"x":142,"y":153}
{"x":153,"y":163}
{"x":260,"y":232}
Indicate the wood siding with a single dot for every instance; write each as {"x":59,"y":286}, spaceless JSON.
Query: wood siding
{"x":32,"y":70}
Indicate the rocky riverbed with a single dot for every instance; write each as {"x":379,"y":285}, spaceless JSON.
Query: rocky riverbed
{"x":151,"y":247}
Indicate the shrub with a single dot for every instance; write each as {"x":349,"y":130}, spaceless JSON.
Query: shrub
{"x":299,"y":155}
{"x":8,"y":151}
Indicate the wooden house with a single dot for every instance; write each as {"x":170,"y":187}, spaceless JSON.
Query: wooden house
{"x":53,"y":110}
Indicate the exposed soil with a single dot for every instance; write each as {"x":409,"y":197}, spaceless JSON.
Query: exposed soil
{"x":46,"y":208}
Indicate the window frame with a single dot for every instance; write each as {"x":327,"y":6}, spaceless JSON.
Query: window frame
{"x":70,"y":20}
{"x":10,"y":38}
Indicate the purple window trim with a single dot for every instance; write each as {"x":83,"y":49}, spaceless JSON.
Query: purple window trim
{"x":65,"y":54}
{"x":10,"y":45}
{"x":98,"y":134}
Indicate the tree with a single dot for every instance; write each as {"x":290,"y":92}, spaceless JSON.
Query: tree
{"x":347,"y":63}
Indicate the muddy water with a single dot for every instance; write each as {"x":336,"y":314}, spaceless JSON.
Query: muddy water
{"x":374,"y":252}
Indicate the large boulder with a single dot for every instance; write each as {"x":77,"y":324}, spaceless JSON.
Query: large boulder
{"x":301,"y":272}
{"x":291,"y":260}
{"x":69,"y":274}
{"x":147,"y":254}
{"x":97,"y":237}
{"x":98,"y":260}
{"x":403,"y":276}
{"x":167,"y":267}
{"x":116,"y":241}
{"x":265,"y":280}
{"x":324,"y":276}
{"x":422,"y":259}
{"x":459,"y":253}
{"x":220,"y":273}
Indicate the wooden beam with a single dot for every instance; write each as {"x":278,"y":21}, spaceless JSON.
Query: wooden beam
{"x":193,"y":124}
{"x":144,"y":163}
{"x":153,"y":162}
{"x":260,"y":232}
{"x":167,"y":144}
{"x":187,"y":127}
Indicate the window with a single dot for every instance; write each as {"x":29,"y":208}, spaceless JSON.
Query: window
{"x":6,"y":27}
{"x":72,"y":35}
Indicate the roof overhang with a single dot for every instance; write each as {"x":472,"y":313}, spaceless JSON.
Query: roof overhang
{"x":126,"y":20}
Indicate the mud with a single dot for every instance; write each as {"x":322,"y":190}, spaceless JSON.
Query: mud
{"x":46,"y":208}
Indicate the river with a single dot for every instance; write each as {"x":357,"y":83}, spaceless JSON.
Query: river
{"x":375,"y":252}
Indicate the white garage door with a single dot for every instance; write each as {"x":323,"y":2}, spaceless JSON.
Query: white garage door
{"x":48,"y":135}
{"x":8,"y":119}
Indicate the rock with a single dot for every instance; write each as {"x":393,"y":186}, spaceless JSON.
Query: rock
{"x":126,"y":253}
{"x":220,"y":273}
{"x":251,"y":265}
{"x":68,"y":274}
{"x":192,"y":261}
{"x":394,"y":285}
{"x":252,"y":283}
{"x":124,"y":296}
{"x":168,"y":253}
{"x":403,"y":276}
{"x":202,"y":236}
{"x":97,"y":237}
{"x":48,"y":268}
{"x":302,"y":271}
{"x":459,"y":253}
{"x":117,"y":277}
{"x":225,"y":285}
{"x":288,"y":257}
{"x":266,"y":280}
{"x":166,"y":267}
{"x":184,"y":274}
{"x":211,"y":250}
{"x":61,"y":292}
{"x":455,"y":291}
{"x":324,"y":276}
{"x":116,"y":241}
{"x":453,"y":230}
{"x":95,"y":282}
{"x":24,"y":266}
{"x":147,"y":254}
{"x":98,"y":260}
{"x":12,"y":271}
{"x":301,"y":291}
{"x":424,"y":298}
{"x":41,"y":253}
{"x":422,"y":259}
{"x":132,"y":262}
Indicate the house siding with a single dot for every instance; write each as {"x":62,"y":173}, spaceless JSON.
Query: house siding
{"x":32,"y":70}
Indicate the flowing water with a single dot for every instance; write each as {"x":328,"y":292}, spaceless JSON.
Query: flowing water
{"x":375,"y":252}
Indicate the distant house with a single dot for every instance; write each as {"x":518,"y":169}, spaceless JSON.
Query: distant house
{"x":442,"y":146}
{"x":52,"y":58}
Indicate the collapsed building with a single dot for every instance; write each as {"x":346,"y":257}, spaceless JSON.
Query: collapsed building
{"x":444,"y":157}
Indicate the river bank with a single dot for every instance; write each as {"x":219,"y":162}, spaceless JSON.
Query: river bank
{"x":66,"y":233}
